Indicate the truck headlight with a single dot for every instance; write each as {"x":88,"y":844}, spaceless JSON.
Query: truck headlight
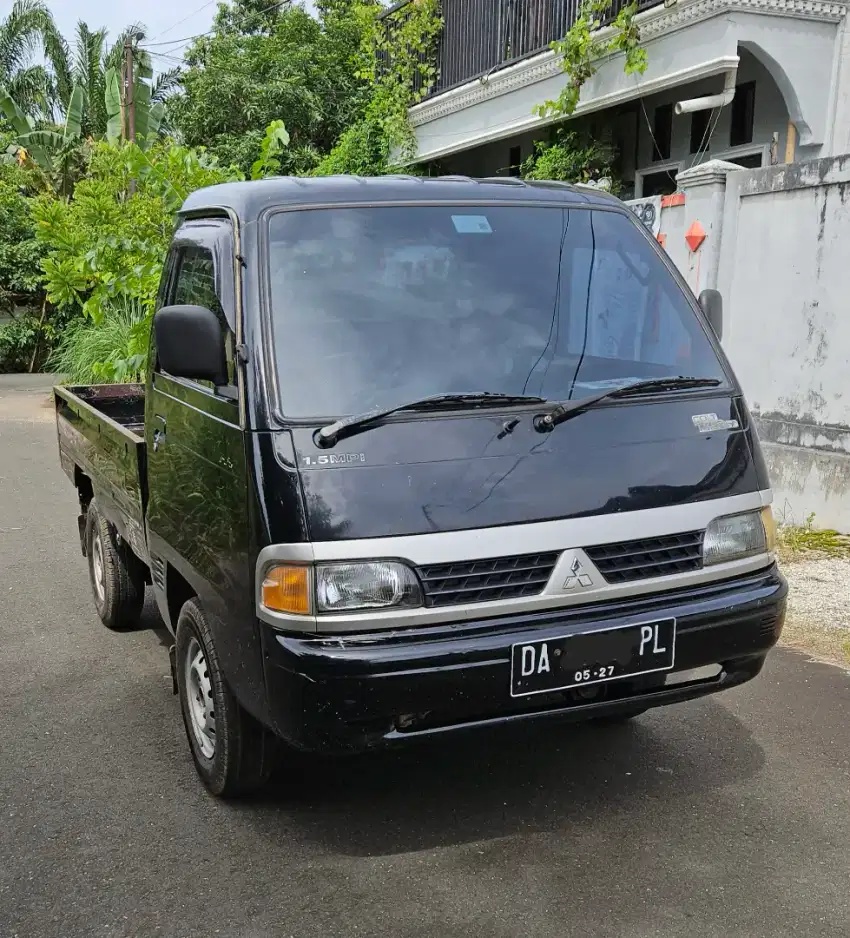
{"x":734,"y":537}
{"x":376,"y":584}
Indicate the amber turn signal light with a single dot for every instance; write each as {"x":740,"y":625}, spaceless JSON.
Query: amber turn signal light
{"x":287,"y":589}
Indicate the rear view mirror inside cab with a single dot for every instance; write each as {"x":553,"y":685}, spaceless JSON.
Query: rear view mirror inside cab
{"x":189,"y":343}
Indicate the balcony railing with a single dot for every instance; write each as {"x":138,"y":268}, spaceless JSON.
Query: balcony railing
{"x":481,"y":36}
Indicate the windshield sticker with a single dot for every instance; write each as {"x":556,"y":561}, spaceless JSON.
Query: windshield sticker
{"x":709,"y":423}
{"x":471,"y":224}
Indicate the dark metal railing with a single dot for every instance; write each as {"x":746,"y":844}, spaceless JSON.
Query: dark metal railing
{"x":481,"y":36}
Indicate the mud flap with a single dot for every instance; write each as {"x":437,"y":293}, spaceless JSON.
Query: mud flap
{"x":81,"y":524}
{"x":172,"y":660}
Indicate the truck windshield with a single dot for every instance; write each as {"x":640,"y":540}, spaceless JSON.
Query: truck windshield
{"x":374,"y":306}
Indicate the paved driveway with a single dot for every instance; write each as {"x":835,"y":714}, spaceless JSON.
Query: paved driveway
{"x":723,"y":817}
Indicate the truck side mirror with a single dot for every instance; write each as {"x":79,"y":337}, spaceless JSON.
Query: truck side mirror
{"x":712,"y":305}
{"x":189,"y":343}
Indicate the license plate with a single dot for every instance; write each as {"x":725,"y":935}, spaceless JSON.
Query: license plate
{"x":595,"y":657}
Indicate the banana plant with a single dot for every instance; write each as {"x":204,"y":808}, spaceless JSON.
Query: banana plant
{"x":52,"y":141}
{"x":114,"y":107}
{"x":21,"y":124}
{"x":148,"y":117}
{"x":55,"y":152}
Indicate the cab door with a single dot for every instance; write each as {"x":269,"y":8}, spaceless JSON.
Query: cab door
{"x":197,"y":519}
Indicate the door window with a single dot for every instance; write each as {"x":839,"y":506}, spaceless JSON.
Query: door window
{"x":195,"y":284}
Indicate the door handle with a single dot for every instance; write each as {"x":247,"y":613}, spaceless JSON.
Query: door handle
{"x":158,"y":439}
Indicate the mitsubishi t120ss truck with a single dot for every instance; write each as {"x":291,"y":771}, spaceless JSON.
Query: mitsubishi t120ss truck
{"x":423,"y":456}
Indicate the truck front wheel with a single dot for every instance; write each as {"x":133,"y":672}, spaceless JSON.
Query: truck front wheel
{"x":233,"y":753}
{"x":117,"y":581}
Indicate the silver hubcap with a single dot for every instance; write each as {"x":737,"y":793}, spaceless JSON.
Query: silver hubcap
{"x":97,"y":567}
{"x":200,"y":699}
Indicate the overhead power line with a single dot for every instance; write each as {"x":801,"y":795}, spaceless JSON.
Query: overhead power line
{"x":208,"y":32}
{"x":188,"y":17}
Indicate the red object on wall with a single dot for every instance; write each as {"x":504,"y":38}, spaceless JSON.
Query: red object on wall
{"x":662,"y":239}
{"x":671,"y":201}
{"x":695,"y":235}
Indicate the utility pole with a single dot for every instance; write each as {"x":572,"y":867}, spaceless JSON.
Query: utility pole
{"x":129,"y":88}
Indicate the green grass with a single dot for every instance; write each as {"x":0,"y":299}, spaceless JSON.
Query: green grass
{"x":795,"y":541}
{"x":86,"y":345}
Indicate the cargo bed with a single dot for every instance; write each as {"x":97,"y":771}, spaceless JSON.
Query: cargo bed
{"x":102,"y":448}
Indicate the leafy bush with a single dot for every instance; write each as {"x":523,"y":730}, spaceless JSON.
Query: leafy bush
{"x":20,"y":253}
{"x":111,"y":349}
{"x":274,"y":142}
{"x":363,"y":150}
{"x":104,"y":251}
{"x":569,"y":158}
{"x":18,"y":343}
{"x":110,"y":240}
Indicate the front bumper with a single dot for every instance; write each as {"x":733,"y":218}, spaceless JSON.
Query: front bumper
{"x":357,"y":691}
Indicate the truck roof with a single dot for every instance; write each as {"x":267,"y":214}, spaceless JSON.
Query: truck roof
{"x":249,"y":199}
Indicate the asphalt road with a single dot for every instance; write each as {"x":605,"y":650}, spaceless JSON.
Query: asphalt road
{"x":729,"y":816}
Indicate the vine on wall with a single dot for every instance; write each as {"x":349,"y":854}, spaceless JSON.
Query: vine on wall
{"x":567,"y":156}
{"x":398,"y":58}
{"x":583,"y":47}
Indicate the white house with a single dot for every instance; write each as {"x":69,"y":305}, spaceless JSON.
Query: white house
{"x":784,"y":65}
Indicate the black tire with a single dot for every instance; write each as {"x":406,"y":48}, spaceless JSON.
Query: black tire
{"x":120,"y":593}
{"x":243,"y":752}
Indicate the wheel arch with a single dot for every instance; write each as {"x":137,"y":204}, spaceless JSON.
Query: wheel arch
{"x":178,"y":591}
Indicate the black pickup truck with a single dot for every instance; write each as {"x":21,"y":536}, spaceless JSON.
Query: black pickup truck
{"x":417,"y":456}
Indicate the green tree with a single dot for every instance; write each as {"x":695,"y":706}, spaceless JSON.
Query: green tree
{"x":568,"y":155}
{"x":262,"y":64}
{"x":20,"y":252}
{"x":397,"y":58}
{"x":106,"y":244}
{"x":28,"y":29}
{"x":26,"y":339}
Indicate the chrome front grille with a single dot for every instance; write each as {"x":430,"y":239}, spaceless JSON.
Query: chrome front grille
{"x":648,"y":557}
{"x":478,"y":581}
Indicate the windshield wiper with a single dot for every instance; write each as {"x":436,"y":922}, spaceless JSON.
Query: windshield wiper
{"x":567,"y":409}
{"x":328,"y":436}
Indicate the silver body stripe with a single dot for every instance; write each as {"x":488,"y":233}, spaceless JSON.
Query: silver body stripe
{"x":568,"y":536}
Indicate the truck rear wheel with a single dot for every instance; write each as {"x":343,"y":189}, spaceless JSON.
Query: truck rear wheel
{"x":117,"y":579}
{"x":233,"y":753}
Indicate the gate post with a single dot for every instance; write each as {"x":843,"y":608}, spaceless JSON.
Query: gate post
{"x":705,"y":199}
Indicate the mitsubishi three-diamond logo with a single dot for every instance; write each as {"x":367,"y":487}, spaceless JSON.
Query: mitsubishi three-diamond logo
{"x":577,"y":579}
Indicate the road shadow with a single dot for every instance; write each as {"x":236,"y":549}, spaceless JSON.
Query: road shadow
{"x":517,"y":779}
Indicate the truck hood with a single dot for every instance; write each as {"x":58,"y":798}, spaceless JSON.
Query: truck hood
{"x":425,"y":473}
